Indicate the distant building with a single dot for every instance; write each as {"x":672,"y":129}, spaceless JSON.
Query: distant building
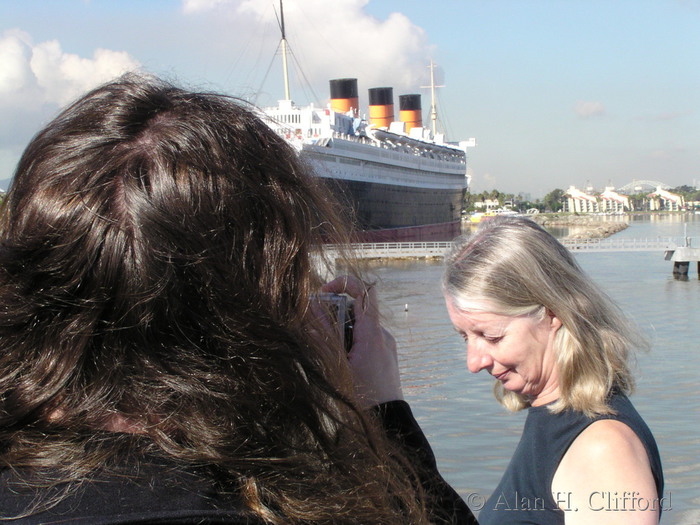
{"x":664,"y":200}
{"x":612,"y":202}
{"x":576,"y":201}
{"x":487,"y":205}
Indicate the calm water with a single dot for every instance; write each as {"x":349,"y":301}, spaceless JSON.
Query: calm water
{"x":473,"y":437}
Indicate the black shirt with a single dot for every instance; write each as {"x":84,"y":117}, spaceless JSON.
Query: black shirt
{"x":524,"y":494}
{"x":159,"y":491}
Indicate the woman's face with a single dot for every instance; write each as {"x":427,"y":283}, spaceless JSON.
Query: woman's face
{"x":518,"y":351}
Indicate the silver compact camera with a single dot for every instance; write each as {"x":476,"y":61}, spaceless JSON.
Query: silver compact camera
{"x":339,"y":307}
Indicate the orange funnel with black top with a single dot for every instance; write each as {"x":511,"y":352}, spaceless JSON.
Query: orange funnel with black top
{"x":381,"y":106}
{"x":344,"y":95}
{"x":410,"y":111}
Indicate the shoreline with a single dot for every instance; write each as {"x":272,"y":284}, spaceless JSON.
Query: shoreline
{"x":584,"y":226}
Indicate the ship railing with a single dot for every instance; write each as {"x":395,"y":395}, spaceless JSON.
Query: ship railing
{"x":398,"y":154}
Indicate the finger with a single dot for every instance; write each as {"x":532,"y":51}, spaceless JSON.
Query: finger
{"x":354,"y":287}
{"x":347,"y":284}
{"x":344,"y":284}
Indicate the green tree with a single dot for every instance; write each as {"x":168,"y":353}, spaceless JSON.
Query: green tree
{"x":638,"y":200}
{"x":688,"y":192}
{"x":553,"y":200}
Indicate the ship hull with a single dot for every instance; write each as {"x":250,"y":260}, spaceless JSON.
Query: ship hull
{"x":441,"y":232}
{"x":392,"y":213}
{"x":392,"y":195}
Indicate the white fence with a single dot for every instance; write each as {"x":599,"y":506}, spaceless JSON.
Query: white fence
{"x":402,"y":249}
{"x":381,"y":250}
{"x":613,"y":244}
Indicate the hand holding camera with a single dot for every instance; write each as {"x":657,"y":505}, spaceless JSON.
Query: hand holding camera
{"x":339,"y":311}
{"x":372,"y":354}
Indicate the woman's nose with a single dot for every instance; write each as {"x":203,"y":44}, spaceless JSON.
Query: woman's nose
{"x":477,"y":357}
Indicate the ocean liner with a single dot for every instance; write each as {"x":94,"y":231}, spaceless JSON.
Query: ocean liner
{"x":401,"y":181}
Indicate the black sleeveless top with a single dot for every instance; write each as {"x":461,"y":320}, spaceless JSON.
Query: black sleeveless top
{"x":524,"y":494}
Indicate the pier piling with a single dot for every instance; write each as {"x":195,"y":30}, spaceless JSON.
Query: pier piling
{"x":680,"y":269}
{"x":682,"y":257}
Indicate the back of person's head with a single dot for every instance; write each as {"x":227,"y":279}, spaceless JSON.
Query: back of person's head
{"x":518,"y":268}
{"x":155,"y":276}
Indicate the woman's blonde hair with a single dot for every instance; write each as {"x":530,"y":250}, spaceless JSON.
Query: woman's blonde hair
{"x":520,"y":268}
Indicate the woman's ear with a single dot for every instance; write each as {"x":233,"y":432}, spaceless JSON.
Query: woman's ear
{"x":555,"y":322}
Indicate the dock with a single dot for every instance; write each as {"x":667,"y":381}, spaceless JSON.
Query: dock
{"x":681,"y":258}
{"x":676,"y":249}
{"x":402,"y":250}
{"x":407,"y":250}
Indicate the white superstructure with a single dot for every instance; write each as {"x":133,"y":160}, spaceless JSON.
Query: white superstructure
{"x":392,"y":178}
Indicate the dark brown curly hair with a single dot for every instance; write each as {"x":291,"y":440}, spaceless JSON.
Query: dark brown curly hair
{"x":157,"y":263}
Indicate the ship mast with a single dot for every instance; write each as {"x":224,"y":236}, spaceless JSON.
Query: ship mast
{"x":433,"y":105}
{"x":285,"y":69}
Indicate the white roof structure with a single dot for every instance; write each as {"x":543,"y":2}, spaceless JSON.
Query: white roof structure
{"x":678,"y":199}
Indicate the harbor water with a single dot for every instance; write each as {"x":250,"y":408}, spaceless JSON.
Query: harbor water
{"x":474,"y":437}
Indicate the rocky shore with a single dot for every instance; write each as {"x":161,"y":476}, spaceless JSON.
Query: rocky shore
{"x":583,"y":226}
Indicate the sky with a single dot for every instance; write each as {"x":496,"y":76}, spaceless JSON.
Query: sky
{"x":556,"y":92}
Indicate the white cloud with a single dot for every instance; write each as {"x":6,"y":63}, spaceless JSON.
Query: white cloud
{"x":665,"y":117}
{"x":63,"y":76}
{"x":668,"y":153}
{"x":37,"y":74}
{"x":588,"y":109}
{"x":195,"y":6}
{"x":337,"y":39}
{"x":35,"y":79}
{"x":15,"y":71}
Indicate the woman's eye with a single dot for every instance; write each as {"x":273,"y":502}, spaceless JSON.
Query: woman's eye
{"x":493,"y":340}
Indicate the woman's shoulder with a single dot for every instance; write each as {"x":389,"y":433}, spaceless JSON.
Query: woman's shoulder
{"x":605,"y":467}
{"x":609,"y":441}
{"x":619,"y":441}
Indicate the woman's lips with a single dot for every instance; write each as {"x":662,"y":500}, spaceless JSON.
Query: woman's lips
{"x":501,"y":376}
